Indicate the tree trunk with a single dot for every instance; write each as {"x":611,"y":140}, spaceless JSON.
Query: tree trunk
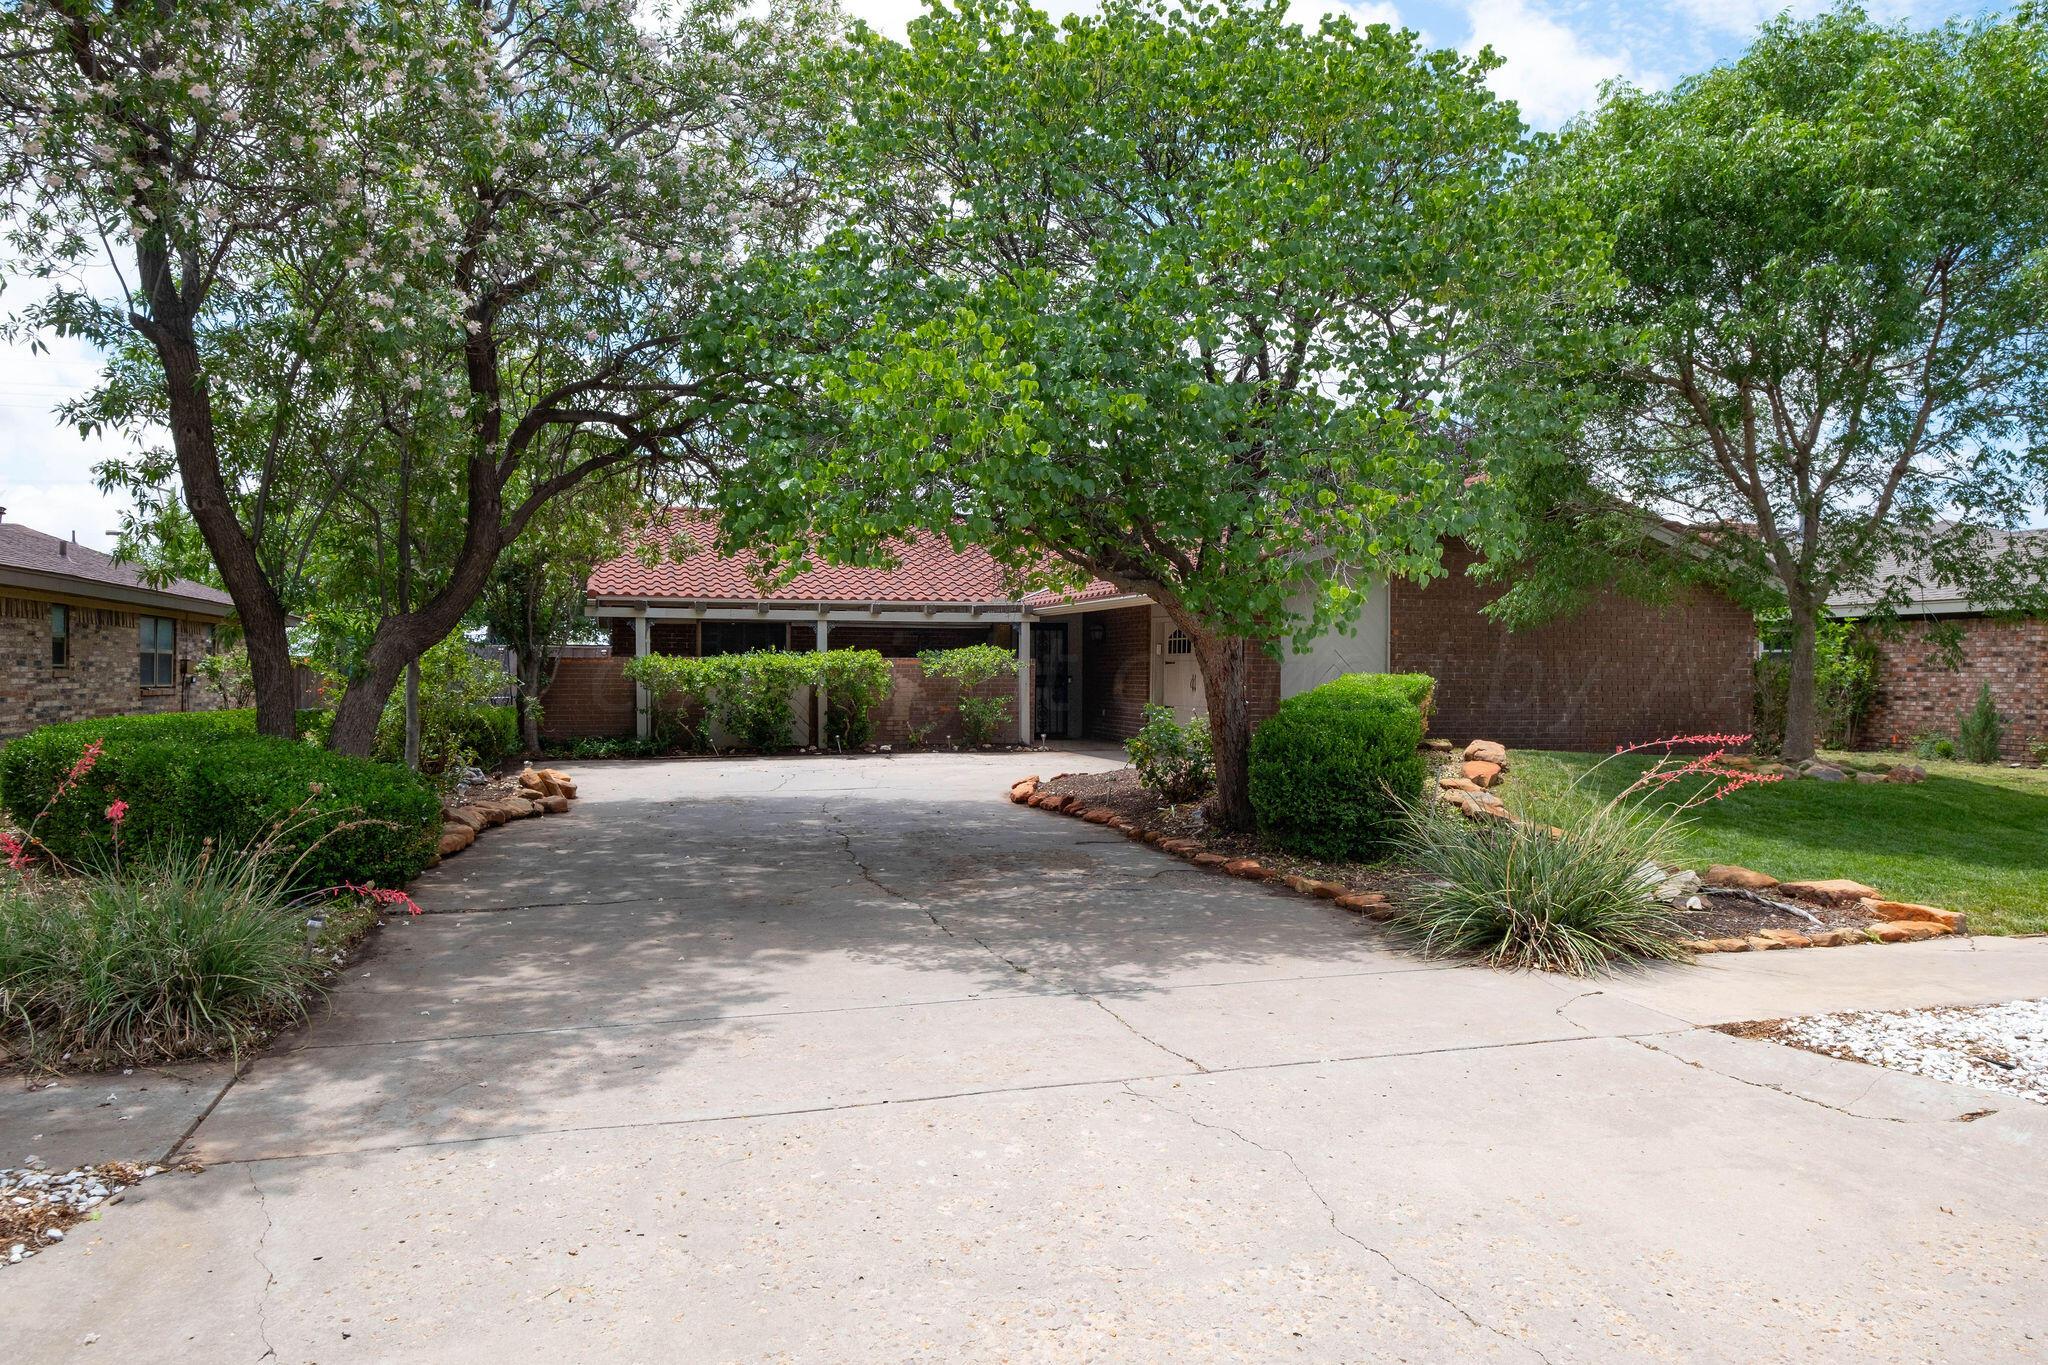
{"x":412,"y":715}
{"x":531,"y":662}
{"x":1225,"y":662}
{"x":257,"y":607}
{"x":1801,"y":718}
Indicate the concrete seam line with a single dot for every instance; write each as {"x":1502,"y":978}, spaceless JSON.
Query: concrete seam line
{"x":935,"y":1002}
{"x":937,"y":1098}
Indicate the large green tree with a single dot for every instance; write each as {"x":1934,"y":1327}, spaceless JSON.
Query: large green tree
{"x":1827,"y":359}
{"x":1174,"y":296}
{"x":440,"y":261}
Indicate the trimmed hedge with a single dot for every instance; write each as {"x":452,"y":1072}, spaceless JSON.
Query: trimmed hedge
{"x":1333,"y":770}
{"x":207,"y":775}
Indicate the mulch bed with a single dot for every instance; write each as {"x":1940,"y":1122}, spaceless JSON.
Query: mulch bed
{"x":1119,"y":792}
{"x":1739,"y":917}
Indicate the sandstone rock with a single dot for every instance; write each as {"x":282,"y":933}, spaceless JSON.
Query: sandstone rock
{"x":1907,"y":772}
{"x":1908,"y":911}
{"x":470,"y":816}
{"x":1101,"y":815}
{"x":1435,"y":745}
{"x":1042,"y":800}
{"x":567,"y":789}
{"x":1699,"y":945}
{"x":1870,"y":778}
{"x":1790,"y":938}
{"x":1184,"y":847}
{"x":1728,"y":874}
{"x":555,"y":805}
{"x":498,"y":812}
{"x":1210,"y":860}
{"x":455,"y":838}
{"x":1838,"y":938}
{"x":1824,"y":772}
{"x":1249,"y":868}
{"x":533,"y":781}
{"x":1328,"y":891}
{"x":1730,"y":945}
{"x":1294,"y":881}
{"x":1020,"y":791}
{"x":1362,"y":901}
{"x":1480,"y":772}
{"x":1905,"y":931}
{"x":1829,"y":891}
{"x":1457,"y":784}
{"x":1759,"y":943}
{"x":1120,"y":825}
{"x":1486,"y":751}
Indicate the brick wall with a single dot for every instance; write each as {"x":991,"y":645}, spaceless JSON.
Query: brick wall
{"x":915,"y":700}
{"x":1619,"y":672}
{"x":588,"y":697}
{"x":1917,"y":695}
{"x":1116,"y":672}
{"x":104,"y":674}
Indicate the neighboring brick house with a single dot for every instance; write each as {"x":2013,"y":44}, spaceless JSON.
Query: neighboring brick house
{"x":1617,"y":672}
{"x":83,"y":635}
{"x":1942,"y":648}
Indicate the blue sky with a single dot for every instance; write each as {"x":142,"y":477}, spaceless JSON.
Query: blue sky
{"x":1557,"y":53}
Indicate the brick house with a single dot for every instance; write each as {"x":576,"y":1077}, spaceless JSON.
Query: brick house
{"x":1923,"y":683}
{"x":82,"y":635}
{"x":1617,"y":672}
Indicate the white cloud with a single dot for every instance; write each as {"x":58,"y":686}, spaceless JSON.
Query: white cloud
{"x":45,"y":467}
{"x":1309,"y":13}
{"x":1550,"y":70}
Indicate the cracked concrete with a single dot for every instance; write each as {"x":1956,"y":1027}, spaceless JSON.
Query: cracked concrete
{"x":853,"y":1060}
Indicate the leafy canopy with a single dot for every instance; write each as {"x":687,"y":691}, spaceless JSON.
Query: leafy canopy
{"x":1829,"y":347}
{"x":1173,"y":296}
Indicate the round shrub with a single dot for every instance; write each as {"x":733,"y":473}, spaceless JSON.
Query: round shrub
{"x":190,"y":777}
{"x":1333,"y":770}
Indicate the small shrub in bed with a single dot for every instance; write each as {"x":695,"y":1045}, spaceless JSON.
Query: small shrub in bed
{"x":192,"y":777}
{"x":1174,"y":760}
{"x":1518,"y":895}
{"x":969,"y":667}
{"x":1334,"y":769}
{"x":1980,"y":731}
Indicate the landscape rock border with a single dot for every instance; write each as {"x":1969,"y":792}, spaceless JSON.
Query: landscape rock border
{"x":542,"y":791}
{"x":1896,"y":921}
{"x":1373,"y":904}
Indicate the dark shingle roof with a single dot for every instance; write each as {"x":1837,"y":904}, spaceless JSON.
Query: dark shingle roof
{"x":29,"y":550}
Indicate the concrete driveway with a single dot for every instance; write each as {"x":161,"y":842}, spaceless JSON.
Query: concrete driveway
{"x":851,"y":1060}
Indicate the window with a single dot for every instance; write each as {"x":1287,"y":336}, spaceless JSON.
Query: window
{"x":1179,"y":643}
{"x":159,"y":651}
{"x":60,"y":636}
{"x":742,"y":637}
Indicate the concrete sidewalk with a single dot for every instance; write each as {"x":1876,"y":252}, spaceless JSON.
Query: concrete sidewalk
{"x":853,"y":1060}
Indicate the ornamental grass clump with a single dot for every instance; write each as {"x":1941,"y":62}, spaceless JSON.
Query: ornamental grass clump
{"x":1517,"y":894}
{"x":179,"y":954}
{"x":1570,"y":885}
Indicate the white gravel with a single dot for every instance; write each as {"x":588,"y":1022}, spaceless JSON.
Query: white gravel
{"x":36,"y":1204}
{"x":1994,"y":1047}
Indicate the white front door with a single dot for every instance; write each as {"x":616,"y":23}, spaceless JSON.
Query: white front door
{"x":1180,"y":680}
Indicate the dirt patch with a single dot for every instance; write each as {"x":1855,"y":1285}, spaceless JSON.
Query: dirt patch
{"x":1120,"y":793}
{"x":37,"y":1206}
{"x":1727,"y":916}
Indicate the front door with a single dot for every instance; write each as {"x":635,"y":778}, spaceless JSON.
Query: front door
{"x":1049,"y":667}
{"x":1180,"y":681}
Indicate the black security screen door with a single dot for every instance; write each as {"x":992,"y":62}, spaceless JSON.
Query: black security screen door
{"x":1049,"y":660}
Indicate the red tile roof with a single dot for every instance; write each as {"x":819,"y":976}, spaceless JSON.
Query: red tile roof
{"x":1097,"y":590}
{"x":927,"y":570}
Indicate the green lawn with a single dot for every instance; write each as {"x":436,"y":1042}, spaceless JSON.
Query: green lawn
{"x":1969,"y":838}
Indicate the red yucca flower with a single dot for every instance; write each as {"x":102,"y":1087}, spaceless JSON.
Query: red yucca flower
{"x":381,"y":895}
